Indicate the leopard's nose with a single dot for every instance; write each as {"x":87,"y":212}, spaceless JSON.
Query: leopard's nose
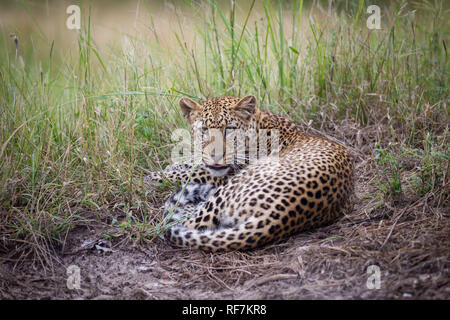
{"x":216,"y":157}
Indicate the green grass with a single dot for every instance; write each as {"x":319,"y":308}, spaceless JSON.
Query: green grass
{"x":79,"y":129}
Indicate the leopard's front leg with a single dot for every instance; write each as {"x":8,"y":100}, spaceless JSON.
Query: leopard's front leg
{"x":184,"y":174}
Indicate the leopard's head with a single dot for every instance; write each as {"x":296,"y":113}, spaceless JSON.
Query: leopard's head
{"x":219,"y":122}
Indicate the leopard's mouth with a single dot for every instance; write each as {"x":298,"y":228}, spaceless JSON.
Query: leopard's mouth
{"x":217,"y":166}
{"x":218,"y":170}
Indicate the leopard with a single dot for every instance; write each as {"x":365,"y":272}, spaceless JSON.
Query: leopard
{"x":303,"y":182}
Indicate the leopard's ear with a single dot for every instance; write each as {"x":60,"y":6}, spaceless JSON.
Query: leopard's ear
{"x":246,"y":107}
{"x":188,"y":108}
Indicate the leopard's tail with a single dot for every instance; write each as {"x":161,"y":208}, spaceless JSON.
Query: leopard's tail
{"x":239,"y":237}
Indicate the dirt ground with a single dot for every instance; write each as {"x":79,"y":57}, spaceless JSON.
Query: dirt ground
{"x":408,"y":242}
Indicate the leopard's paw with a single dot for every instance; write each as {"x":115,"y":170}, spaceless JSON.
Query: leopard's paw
{"x":154,"y":178}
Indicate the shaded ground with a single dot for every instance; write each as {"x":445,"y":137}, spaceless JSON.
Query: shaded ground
{"x":408,"y":241}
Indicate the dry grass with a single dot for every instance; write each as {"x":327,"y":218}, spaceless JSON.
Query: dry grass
{"x":407,"y":240}
{"x":86,"y":115}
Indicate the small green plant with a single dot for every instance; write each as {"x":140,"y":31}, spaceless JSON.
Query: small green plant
{"x":389,"y":173}
{"x":433,"y":171}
